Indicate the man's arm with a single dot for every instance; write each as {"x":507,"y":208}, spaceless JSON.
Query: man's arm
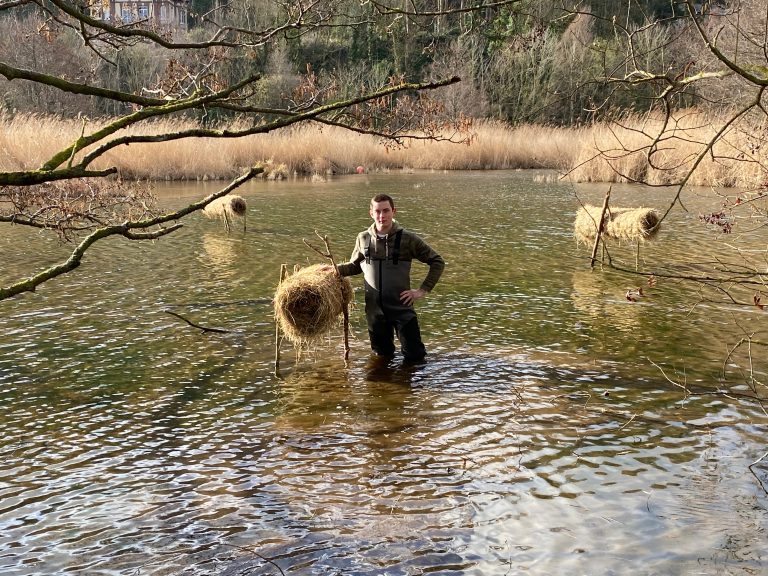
{"x":426,"y":254}
{"x":353,"y":267}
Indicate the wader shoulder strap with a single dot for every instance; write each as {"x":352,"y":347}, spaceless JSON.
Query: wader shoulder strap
{"x":367,"y":249}
{"x":396,"y":251}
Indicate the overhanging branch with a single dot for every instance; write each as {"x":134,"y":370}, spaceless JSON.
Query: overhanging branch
{"x":137,"y":230}
{"x":288,"y":120}
{"x":757,"y":75}
{"x":33,"y":177}
{"x":12,"y":73}
{"x":166,"y":109}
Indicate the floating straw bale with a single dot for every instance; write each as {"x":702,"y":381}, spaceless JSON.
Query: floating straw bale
{"x":308,"y":303}
{"x":626,"y":224}
{"x":227,"y":208}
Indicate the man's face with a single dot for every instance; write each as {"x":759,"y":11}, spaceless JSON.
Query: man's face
{"x":382,"y":214}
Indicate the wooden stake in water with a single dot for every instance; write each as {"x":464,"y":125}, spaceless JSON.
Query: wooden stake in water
{"x":278,"y":338}
{"x":600,"y":227}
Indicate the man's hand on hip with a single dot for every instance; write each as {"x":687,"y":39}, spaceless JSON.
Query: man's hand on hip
{"x":408,"y":297}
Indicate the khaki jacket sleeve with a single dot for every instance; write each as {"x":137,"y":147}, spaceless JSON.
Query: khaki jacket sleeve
{"x":426,"y":254}
{"x":352,"y":268}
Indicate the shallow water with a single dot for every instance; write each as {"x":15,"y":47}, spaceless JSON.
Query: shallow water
{"x":556,"y":429}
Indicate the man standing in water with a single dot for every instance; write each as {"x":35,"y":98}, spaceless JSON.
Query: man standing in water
{"x":383,"y":254}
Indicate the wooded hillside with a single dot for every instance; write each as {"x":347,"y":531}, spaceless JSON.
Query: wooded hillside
{"x":526,"y":61}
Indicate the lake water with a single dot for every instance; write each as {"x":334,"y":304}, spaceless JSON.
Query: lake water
{"x":558,"y":428}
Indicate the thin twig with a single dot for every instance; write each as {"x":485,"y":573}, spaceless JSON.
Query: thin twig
{"x":260,"y":556}
{"x":203,"y":328}
{"x":600,"y":227}
{"x":668,"y":379}
{"x":628,"y":422}
{"x":755,"y":475}
{"x":345,"y":309}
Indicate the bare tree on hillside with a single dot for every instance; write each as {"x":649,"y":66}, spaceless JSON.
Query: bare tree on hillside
{"x":75,"y":193}
{"x":467,"y":98}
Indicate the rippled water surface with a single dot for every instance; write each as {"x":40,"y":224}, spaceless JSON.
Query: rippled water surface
{"x":556,"y":429}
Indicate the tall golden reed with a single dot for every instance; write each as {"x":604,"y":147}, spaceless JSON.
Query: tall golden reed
{"x":641,"y":148}
{"x":616,"y":152}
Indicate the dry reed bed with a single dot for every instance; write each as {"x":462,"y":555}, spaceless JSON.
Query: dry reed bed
{"x":619,"y":152}
{"x":594,"y":153}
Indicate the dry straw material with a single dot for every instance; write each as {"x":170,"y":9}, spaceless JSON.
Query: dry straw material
{"x":627,"y":224}
{"x":309,"y":302}
{"x":227,"y":208}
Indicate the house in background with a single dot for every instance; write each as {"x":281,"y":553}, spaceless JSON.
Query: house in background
{"x":160,"y":13}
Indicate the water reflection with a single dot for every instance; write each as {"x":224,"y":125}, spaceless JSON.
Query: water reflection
{"x":604,"y":304}
{"x":220,"y":254}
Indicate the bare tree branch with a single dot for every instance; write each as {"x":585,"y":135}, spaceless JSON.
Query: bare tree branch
{"x":136,"y":230}
{"x":400,"y":9}
{"x":757,"y":75}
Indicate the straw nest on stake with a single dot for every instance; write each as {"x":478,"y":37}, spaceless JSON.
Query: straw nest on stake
{"x":227,"y":208}
{"x":309,"y":302}
{"x":625,"y":224}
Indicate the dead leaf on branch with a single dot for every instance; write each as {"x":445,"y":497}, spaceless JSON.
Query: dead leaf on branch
{"x":79,"y":205}
{"x":396,"y":116}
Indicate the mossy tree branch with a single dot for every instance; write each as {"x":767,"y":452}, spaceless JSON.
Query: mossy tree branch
{"x":13,"y":73}
{"x":33,"y":177}
{"x":136,"y":230}
{"x":195,"y":101}
{"x":49,"y":171}
{"x":755,"y":74}
{"x":315,"y":114}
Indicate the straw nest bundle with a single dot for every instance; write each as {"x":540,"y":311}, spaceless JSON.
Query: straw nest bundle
{"x":226,"y":208}
{"x":308,"y":303}
{"x":630,"y":224}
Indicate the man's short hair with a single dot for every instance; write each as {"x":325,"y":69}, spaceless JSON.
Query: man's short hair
{"x":383,"y":198}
